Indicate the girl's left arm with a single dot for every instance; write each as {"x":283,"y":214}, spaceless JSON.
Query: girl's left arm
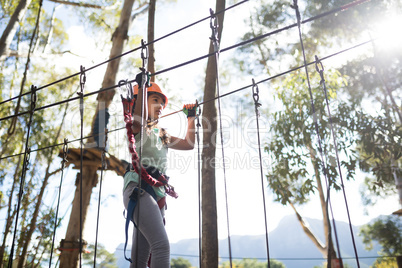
{"x":188,"y":142}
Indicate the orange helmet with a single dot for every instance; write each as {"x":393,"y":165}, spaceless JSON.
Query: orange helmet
{"x":153,"y":88}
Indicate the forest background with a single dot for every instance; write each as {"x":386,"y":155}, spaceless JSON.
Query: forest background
{"x":365,"y":90}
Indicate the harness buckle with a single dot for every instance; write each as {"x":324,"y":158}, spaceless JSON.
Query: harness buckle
{"x":137,"y":191}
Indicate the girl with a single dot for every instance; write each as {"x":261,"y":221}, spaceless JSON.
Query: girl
{"x":149,"y":210}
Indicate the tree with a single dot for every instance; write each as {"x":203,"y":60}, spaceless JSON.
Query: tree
{"x":368,"y":139}
{"x":387,"y":231}
{"x":180,"y":263}
{"x":9,"y":32}
{"x":297,"y":169}
{"x":209,"y":121}
{"x":99,"y":124}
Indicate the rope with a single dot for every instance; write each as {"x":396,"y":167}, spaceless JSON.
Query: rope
{"x":320,"y":70}
{"x":24,"y":170}
{"x":125,"y":53}
{"x":256,"y":98}
{"x":81,"y":95}
{"x":201,"y":103}
{"x":144,"y":112}
{"x":103,"y":167}
{"x":335,"y":10}
{"x":214,"y":24}
{"x":324,"y":168}
{"x":199,"y":187}
{"x":63,"y":162}
{"x":11,"y":129}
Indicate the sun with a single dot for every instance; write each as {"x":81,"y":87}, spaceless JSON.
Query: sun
{"x":387,"y":32}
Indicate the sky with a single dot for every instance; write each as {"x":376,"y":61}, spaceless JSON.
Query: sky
{"x":243,"y":180}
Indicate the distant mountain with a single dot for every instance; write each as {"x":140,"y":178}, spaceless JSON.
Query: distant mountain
{"x":287,"y":243}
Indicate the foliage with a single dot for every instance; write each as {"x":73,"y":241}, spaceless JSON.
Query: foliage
{"x":180,"y":263}
{"x":104,"y":259}
{"x":294,"y":147}
{"x":387,"y":231}
{"x":252,"y":263}
{"x":371,"y":98}
{"x":385,"y":263}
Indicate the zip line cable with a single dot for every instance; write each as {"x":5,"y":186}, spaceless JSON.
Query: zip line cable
{"x":334,"y":137}
{"x":199,"y":187}
{"x":24,"y":170}
{"x":12,"y":129}
{"x":214,"y":24}
{"x":63,"y":162}
{"x":328,"y":202}
{"x":201,"y":103}
{"x":103,"y":167}
{"x":345,"y":7}
{"x":81,"y":95}
{"x":83,"y":71}
{"x":332,"y":11}
{"x":324,"y":166}
{"x":329,"y":256}
{"x":256,"y":98}
{"x":127,"y":52}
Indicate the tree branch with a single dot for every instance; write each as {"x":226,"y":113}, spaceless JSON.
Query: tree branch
{"x":82,"y":4}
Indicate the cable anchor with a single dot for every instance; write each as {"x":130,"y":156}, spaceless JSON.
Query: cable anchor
{"x":214,"y":24}
{"x":198,"y":114}
{"x":33,"y":99}
{"x":295,"y":6}
{"x":144,"y":53}
{"x":103,"y":156}
{"x":27,"y":159}
{"x":65,"y":151}
{"x":320,"y":69}
{"x":83,"y":79}
{"x":256,"y":96}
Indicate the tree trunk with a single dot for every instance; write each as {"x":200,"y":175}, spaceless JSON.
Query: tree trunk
{"x":151,"y":38}
{"x":10,"y":212}
{"x":9,"y":32}
{"x":34,"y":219}
{"x":69,"y":259}
{"x":399,"y":261}
{"x":209,"y":251}
{"x":329,"y":246}
{"x":105,"y":98}
{"x":70,"y":246}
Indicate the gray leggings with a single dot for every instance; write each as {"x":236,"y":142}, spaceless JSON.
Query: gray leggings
{"x":152,"y":236}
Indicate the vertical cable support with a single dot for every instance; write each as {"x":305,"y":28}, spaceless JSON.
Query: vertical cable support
{"x":256,"y":98}
{"x":320,"y":69}
{"x":63,"y":163}
{"x":103,"y":168}
{"x":142,"y":83}
{"x":25,"y":164}
{"x":199,"y":186}
{"x":80,"y":93}
{"x":214,"y":24}
{"x":324,"y":168}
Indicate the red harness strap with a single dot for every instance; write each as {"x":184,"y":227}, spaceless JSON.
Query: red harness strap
{"x":135,"y":160}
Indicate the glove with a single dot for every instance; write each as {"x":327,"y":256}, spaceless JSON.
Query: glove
{"x":190,"y":110}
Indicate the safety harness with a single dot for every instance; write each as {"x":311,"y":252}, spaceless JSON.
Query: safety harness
{"x":150,"y":176}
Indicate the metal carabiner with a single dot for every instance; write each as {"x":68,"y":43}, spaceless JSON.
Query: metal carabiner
{"x":126,"y":93}
{"x":214,"y":24}
{"x":256,"y":91}
{"x":320,"y":68}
